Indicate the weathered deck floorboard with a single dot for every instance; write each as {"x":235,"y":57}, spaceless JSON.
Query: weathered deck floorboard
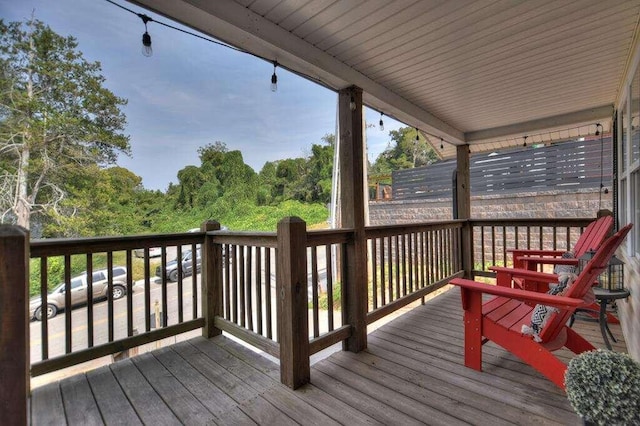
{"x":411,"y":373}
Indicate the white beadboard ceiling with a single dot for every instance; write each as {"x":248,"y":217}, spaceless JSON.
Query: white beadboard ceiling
{"x":483,"y":73}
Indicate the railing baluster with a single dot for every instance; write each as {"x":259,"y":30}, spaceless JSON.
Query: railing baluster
{"x":482,"y":249}
{"x":147,"y":291}
{"x":241,"y":285}
{"x":67,"y":303}
{"x":397,"y":265}
{"x":110,"y":294}
{"x":374,"y":273}
{"x":504,"y":246}
{"x":90,"y":299}
{"x":194,"y":280}
{"x":234,"y":281}
{"x":249,"y":293}
{"x":314,"y":291}
{"x":164,"y":313}
{"x":259,"y":300}
{"x":329,"y":258}
{"x":180,"y":274}
{"x":540,"y":236}
{"x":227,"y":281}
{"x":391,"y":265}
{"x":129,"y":293}
{"x":44,"y":292}
{"x":383,"y":262}
{"x":267,"y":274}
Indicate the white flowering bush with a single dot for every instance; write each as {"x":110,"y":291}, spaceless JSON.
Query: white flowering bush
{"x":604,"y":387}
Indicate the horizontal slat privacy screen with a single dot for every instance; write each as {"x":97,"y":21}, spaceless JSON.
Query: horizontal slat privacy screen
{"x":564,"y":166}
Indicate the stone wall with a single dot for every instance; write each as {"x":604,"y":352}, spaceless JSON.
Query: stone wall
{"x":536,"y":205}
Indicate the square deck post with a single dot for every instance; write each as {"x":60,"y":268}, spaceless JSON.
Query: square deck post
{"x":463,"y":191}
{"x":211,"y":281}
{"x":292,"y":302}
{"x":352,"y":202}
{"x":14,"y":332}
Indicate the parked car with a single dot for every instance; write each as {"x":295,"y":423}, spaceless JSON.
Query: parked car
{"x":187,"y":266}
{"x":79,"y":285}
{"x":153,"y":252}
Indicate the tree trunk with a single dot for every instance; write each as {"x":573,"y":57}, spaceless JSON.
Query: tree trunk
{"x":22,"y":205}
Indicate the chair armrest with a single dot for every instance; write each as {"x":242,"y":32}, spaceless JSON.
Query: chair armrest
{"x":549,"y":260}
{"x":527,"y":252}
{"x":561,"y":302}
{"x":524,"y":273}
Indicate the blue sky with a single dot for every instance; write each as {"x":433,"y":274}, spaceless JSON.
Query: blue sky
{"x":192,"y":92}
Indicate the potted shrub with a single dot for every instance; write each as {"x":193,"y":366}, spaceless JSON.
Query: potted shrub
{"x":604,"y":387}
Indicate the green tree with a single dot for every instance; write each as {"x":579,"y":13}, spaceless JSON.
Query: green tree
{"x":320,"y":170}
{"x":57,"y":121}
{"x":404,"y":152}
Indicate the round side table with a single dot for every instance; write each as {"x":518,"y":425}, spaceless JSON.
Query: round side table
{"x":604,"y":296}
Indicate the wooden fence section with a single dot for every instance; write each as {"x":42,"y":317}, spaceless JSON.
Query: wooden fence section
{"x":565,"y":166}
{"x":101,"y":330}
{"x":492,"y":239}
{"x":409,"y":261}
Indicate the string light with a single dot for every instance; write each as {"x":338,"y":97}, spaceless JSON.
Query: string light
{"x":146,"y":38}
{"x":274,"y":78}
{"x":525,"y":141}
{"x":441,"y":144}
{"x":598,"y":125}
{"x":417,"y":137}
{"x":381,"y":122}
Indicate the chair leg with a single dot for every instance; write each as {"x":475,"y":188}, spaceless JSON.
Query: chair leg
{"x":473,"y":341}
{"x":576,"y":343}
{"x":472,"y":305}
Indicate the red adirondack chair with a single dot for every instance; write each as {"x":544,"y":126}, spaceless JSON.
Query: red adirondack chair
{"x":501,"y":318}
{"x":590,"y":239}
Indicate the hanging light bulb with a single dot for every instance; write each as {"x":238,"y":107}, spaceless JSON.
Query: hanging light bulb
{"x":598,"y":125}
{"x":274,"y":78}
{"x":381,"y":122}
{"x":525,"y":141}
{"x":441,"y":144}
{"x":146,"y":38}
{"x":352,"y":103}
{"x":417,"y":137}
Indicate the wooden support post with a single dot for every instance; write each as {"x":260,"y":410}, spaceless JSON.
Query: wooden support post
{"x":292,"y":302}
{"x":211,"y":280}
{"x":463,"y":191}
{"x":14,"y":326}
{"x":352,"y":187}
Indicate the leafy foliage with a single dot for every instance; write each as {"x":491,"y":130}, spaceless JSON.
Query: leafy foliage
{"x":603,"y":387}
{"x":403,"y":152}
{"x":57,"y":122}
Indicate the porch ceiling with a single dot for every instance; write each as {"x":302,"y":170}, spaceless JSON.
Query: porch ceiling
{"x":484,"y":73}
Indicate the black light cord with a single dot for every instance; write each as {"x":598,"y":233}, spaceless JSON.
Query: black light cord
{"x":219,"y":43}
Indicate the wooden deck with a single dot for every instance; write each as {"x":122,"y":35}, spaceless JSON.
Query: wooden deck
{"x":411,"y":373}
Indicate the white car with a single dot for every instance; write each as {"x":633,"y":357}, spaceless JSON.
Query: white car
{"x":153,"y":252}
{"x":79,"y":287}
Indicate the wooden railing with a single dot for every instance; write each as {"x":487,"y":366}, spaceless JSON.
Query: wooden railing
{"x":408,"y":262}
{"x":492,"y":239}
{"x":285,"y":292}
{"x":114,"y":326}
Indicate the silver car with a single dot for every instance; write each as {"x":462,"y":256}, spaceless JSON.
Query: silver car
{"x":56,"y":297}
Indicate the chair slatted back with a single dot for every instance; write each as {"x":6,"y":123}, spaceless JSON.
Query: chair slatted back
{"x":588,"y":276}
{"x":593,"y":235}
